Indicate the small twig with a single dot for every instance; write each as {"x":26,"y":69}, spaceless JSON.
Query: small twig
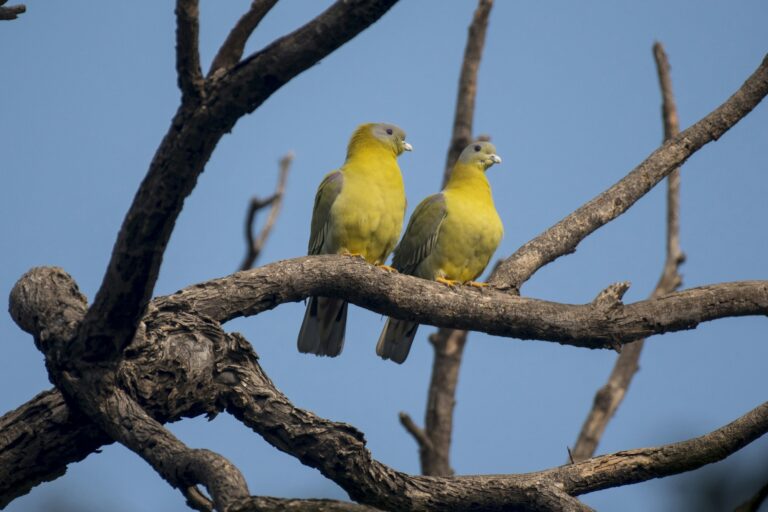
{"x":753,"y":504}
{"x":255,"y":244}
{"x":232,"y":49}
{"x":418,"y":433}
{"x":11,"y":12}
{"x":609,"y":397}
{"x":189,"y":77}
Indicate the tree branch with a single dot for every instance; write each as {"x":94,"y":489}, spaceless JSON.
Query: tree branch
{"x":230,"y":52}
{"x":133,"y":268}
{"x":464,"y":307}
{"x":256,"y":243}
{"x":563,"y":237}
{"x":223,"y":371}
{"x":610,"y":396}
{"x":11,"y":12}
{"x":338,"y":451}
{"x":190,"y":77}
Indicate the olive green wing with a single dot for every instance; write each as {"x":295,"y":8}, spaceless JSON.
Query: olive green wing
{"x":327,"y":192}
{"x":421,"y":234}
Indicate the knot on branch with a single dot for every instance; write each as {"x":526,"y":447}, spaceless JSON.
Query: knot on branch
{"x":47,"y":303}
{"x":610,"y":297}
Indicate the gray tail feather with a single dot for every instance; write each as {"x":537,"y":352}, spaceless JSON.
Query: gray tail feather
{"x":396,"y":339}
{"x":322,"y":331}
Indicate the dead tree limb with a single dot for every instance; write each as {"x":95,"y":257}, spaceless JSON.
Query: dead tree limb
{"x":610,"y":396}
{"x":255,"y":243}
{"x":224,"y":373}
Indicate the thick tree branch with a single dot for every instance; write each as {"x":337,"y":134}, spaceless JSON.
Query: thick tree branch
{"x":563,"y":237}
{"x":230,"y":52}
{"x":256,"y":243}
{"x":185,"y":364}
{"x":190,"y":77}
{"x":610,"y":396}
{"x":11,"y":12}
{"x":338,"y":451}
{"x":464,"y":307}
{"x":181,"y":157}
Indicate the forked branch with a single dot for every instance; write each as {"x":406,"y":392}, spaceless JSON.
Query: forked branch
{"x":255,"y":243}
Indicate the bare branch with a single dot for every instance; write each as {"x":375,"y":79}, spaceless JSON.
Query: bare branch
{"x":418,"y":434}
{"x":190,"y":77}
{"x":230,"y":52}
{"x":465,"y":100}
{"x":256,"y":244}
{"x":563,"y":237}
{"x":670,"y":279}
{"x":133,"y":268}
{"x":464,"y":307}
{"x":610,"y":396}
{"x":11,"y":12}
{"x":336,"y":449}
{"x":449,"y":347}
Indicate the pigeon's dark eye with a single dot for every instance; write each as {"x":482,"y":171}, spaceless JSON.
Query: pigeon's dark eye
{"x":477,"y":147}
{"x":389,"y":131}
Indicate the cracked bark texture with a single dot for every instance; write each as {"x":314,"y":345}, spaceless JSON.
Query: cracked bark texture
{"x":226,"y":375}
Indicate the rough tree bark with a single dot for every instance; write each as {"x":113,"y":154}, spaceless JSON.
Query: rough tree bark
{"x":124,"y":366}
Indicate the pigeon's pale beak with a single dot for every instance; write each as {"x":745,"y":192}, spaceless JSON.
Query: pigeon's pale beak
{"x":495,"y":158}
{"x":407,"y":147}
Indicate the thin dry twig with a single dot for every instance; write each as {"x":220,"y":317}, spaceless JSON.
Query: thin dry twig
{"x":449,"y":344}
{"x":609,"y":397}
{"x":255,"y":244}
{"x":232,"y":49}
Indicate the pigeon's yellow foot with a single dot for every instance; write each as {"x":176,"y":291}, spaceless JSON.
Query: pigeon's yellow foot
{"x":353,"y":254}
{"x":477,"y":285}
{"x":388,"y":268}
{"x":448,"y":282}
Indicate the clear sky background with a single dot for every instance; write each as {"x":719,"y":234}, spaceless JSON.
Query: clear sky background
{"x":569,"y":93}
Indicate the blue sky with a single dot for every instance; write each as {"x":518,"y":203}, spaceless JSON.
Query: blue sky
{"x":569,"y":93}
